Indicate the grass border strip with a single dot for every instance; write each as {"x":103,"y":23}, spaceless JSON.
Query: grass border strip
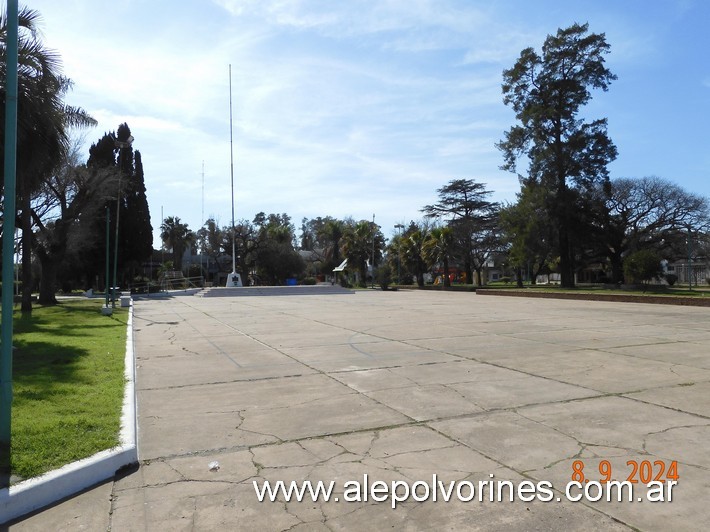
{"x":622,"y":298}
{"x":35,"y":493}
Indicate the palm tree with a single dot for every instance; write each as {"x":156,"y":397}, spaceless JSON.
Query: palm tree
{"x":357,"y":246}
{"x":330,"y":234}
{"x":438,"y":247}
{"x":43,"y":122}
{"x":176,"y":236}
{"x":412,"y":253}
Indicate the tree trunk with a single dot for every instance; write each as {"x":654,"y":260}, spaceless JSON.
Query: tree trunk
{"x":479,"y":274}
{"x":48,"y":281}
{"x":537,"y":269}
{"x":519,"y":276}
{"x":447,"y":281}
{"x":469,"y":270}
{"x":420,"y":274}
{"x":563,"y":215}
{"x":617,"y":267}
{"x":363,"y":274}
{"x":566,"y":260}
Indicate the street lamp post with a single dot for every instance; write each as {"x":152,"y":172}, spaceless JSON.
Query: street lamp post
{"x":399,"y":251}
{"x":372,"y":278}
{"x":690,"y":262}
{"x":106,"y":310}
{"x":121,"y":145}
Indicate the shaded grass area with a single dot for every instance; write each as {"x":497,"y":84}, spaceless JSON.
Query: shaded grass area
{"x":68,"y":380}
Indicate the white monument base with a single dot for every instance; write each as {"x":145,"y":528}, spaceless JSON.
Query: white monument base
{"x":234,"y":279}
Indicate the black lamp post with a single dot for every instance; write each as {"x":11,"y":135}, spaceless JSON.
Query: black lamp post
{"x":121,"y":145}
{"x":690,"y":261}
{"x":399,"y":251}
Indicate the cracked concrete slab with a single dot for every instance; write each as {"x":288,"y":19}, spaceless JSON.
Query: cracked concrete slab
{"x":510,"y":438}
{"x":423,"y":403}
{"x":402,"y":386}
{"x":687,"y":397}
{"x":606,"y":372}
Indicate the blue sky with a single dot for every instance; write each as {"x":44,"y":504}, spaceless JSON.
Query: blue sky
{"x":354,"y":108}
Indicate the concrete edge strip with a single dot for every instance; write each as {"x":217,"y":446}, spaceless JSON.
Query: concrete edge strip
{"x":35,"y":493}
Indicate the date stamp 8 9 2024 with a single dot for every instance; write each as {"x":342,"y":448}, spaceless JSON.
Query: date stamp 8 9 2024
{"x":644,"y":471}
{"x":657,"y":476}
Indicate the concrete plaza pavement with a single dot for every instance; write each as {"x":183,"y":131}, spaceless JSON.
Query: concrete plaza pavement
{"x":400,"y":386}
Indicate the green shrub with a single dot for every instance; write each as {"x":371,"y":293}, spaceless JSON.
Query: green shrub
{"x":642,"y":266}
{"x":309,"y":281}
{"x":671,"y":278}
{"x":195,"y":270}
{"x":383,"y":274}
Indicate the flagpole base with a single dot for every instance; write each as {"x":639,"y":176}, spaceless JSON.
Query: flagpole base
{"x":234,"y":279}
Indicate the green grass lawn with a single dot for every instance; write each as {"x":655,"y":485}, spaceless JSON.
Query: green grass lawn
{"x":68,"y":380}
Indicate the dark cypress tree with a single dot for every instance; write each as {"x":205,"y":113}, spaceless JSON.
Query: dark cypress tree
{"x":102,"y":158}
{"x":101,"y":153}
{"x":136,"y":229}
{"x":135,"y":233}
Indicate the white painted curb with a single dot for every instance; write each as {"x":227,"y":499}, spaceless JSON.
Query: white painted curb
{"x":35,"y":493}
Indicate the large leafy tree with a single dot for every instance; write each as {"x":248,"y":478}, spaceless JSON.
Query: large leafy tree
{"x":482,"y":241}
{"x":322,"y":236}
{"x":43,"y":122}
{"x":275,"y":255}
{"x":464,"y":206}
{"x":566,"y":154}
{"x":214,"y":242}
{"x":64,"y":211}
{"x":248,"y":244}
{"x":650,"y":213}
{"x":528,"y":232}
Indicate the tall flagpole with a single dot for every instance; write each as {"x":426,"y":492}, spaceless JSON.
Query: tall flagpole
{"x":203,"y":270}
{"x":234,"y":279}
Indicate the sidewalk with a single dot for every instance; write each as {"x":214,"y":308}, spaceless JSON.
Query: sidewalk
{"x":400,"y":386}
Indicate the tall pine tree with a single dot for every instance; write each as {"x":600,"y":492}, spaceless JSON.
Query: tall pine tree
{"x":567,"y":154}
